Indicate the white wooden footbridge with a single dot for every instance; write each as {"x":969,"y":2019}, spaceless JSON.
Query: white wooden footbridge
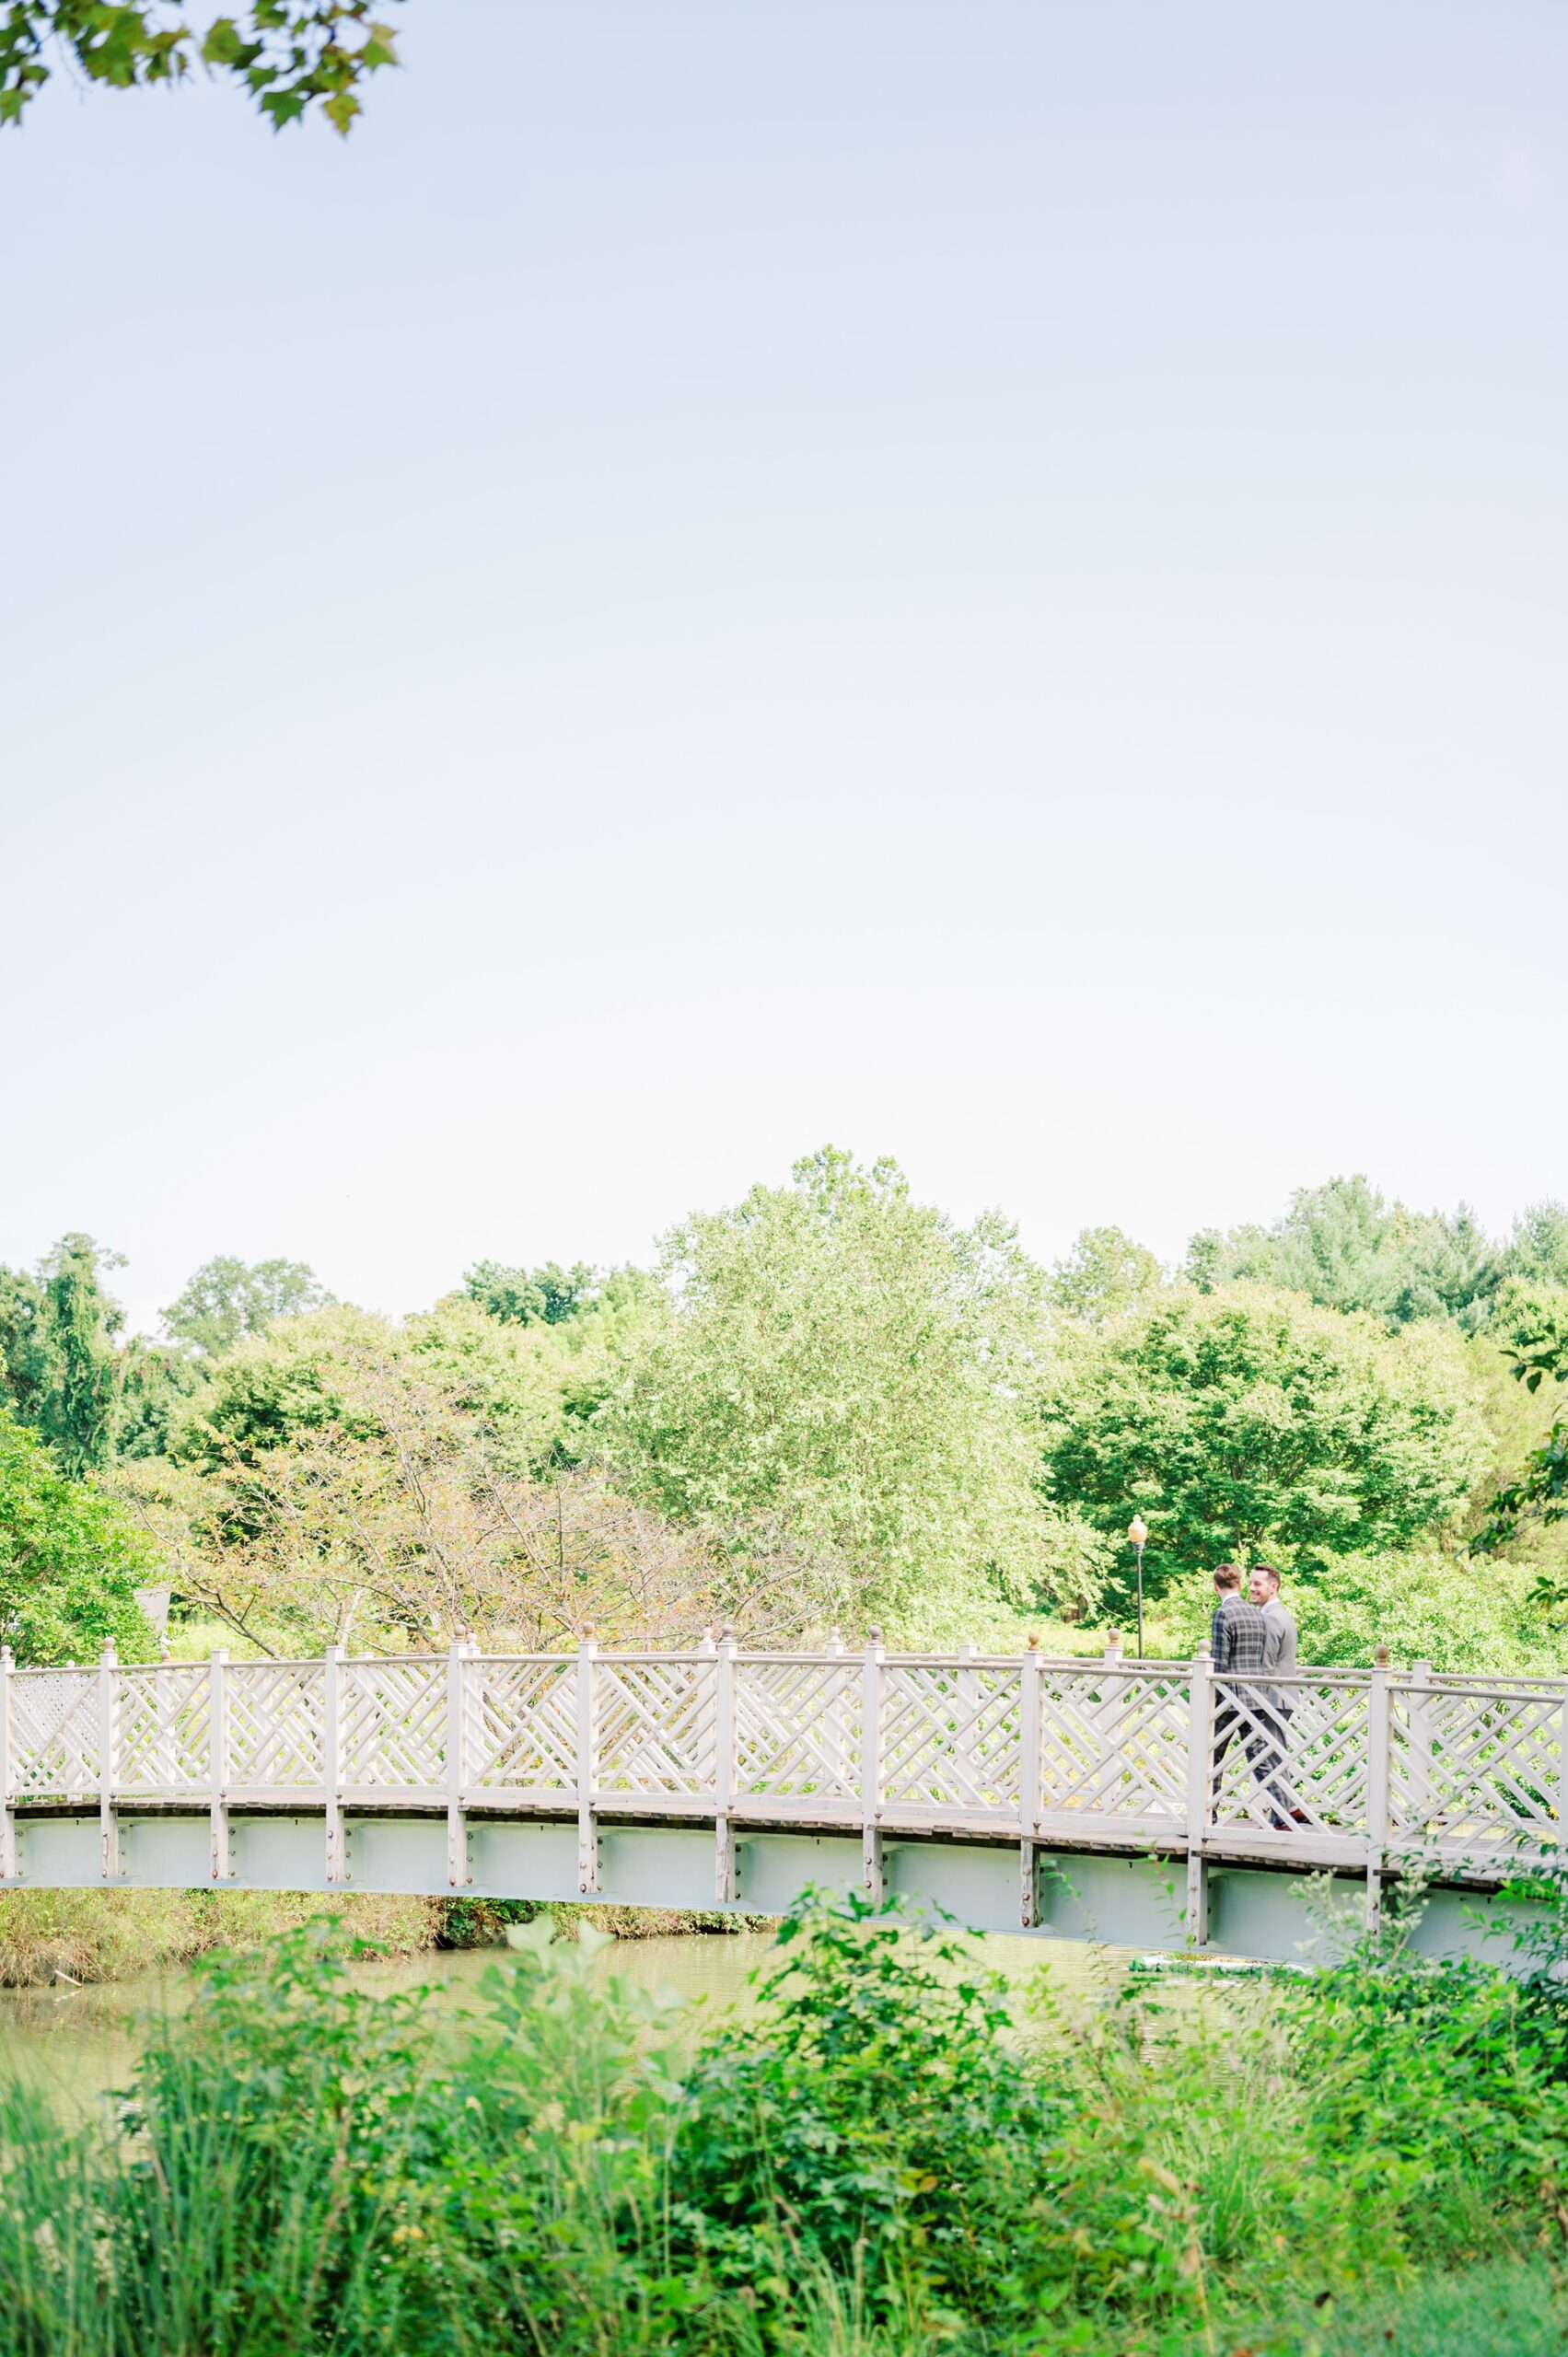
{"x":1075,"y":1798}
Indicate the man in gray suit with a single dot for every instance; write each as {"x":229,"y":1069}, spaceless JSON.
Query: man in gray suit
{"x":1263,"y":1586}
{"x":1278,"y":1655}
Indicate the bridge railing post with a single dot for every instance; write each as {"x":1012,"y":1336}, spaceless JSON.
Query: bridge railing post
{"x":965,"y":1763}
{"x":1377,"y":1786}
{"x":587,"y":1732}
{"x":8,"y":1772}
{"x":725,"y":1883}
{"x":1030,"y":1799}
{"x":218,"y":1760}
{"x":838,"y":1687}
{"x":1200,"y":1793}
{"x":166,"y":1749}
{"x":108,"y":1735}
{"x":332,"y":1762}
{"x":1419,"y":1778}
{"x":457,"y":1822}
{"x":872,"y":1680}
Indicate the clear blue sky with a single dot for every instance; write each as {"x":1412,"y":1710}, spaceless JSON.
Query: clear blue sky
{"x":985,"y":583}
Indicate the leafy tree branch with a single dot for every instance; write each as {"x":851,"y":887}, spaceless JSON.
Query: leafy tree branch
{"x":290,"y":58}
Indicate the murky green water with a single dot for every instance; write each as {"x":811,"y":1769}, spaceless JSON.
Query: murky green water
{"x":79,"y":2041}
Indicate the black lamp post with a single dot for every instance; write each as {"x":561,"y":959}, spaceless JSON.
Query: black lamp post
{"x":1137,"y":1532}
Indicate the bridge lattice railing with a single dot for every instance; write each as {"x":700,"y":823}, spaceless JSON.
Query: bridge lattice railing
{"x":1402,"y":1762}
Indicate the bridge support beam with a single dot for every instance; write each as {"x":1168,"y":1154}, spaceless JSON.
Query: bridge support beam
{"x":727,"y":1864}
{"x":1029,"y":1885}
{"x":1196,"y":1916}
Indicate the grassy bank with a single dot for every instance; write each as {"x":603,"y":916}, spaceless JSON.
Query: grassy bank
{"x":871,"y":2163}
{"x":90,"y":1935}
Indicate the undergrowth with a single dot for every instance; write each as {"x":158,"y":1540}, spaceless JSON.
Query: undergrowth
{"x":875,"y":2161}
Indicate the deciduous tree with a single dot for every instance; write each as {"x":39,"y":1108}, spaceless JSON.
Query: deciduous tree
{"x":1243,"y":1421}
{"x":846,"y":1363}
{"x":70,"y":1559}
{"x":227,"y":1299}
{"x":57,"y":1350}
{"x":1104,"y":1274}
{"x":358,"y":1489}
{"x":1537,"y":1346}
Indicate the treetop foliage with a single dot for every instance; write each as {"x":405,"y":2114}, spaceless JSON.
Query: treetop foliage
{"x":1537,"y":1259}
{"x":1345,"y":1247}
{"x":92,"y":1394}
{"x":1253,"y":1424}
{"x":290,"y":55}
{"x":57,"y":1355}
{"x":846,"y":1360}
{"x":551,"y":1295}
{"x":544,"y":1297}
{"x":226,"y":1300}
{"x":1104,"y":1274}
{"x":529,"y":1388}
{"x":831,"y":1403}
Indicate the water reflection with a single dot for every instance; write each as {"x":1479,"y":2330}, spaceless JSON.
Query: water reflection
{"x":79,"y":2041}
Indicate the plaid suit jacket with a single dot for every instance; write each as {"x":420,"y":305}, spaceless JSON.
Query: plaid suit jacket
{"x":1239,"y":1641}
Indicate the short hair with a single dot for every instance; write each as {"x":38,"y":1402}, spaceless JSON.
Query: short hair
{"x":1228,"y":1575}
{"x":1269,"y":1572}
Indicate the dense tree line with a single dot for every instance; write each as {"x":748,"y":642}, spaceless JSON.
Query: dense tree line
{"x":1344,"y":1247}
{"x":826,"y":1404}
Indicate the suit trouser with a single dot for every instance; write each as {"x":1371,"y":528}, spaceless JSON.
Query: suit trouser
{"x":1265,"y":1736}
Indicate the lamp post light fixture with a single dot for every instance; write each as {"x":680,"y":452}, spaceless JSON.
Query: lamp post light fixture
{"x":1137,"y":1531}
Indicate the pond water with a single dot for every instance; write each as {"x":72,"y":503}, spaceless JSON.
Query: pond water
{"x":79,"y":2041}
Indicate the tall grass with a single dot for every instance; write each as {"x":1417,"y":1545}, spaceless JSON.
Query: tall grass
{"x":875,"y":2162}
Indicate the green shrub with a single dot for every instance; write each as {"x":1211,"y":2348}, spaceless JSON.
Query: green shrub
{"x":877,"y":2162}
{"x":873,"y":2105}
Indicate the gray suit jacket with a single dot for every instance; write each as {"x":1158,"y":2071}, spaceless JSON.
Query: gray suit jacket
{"x":1279,"y":1650}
